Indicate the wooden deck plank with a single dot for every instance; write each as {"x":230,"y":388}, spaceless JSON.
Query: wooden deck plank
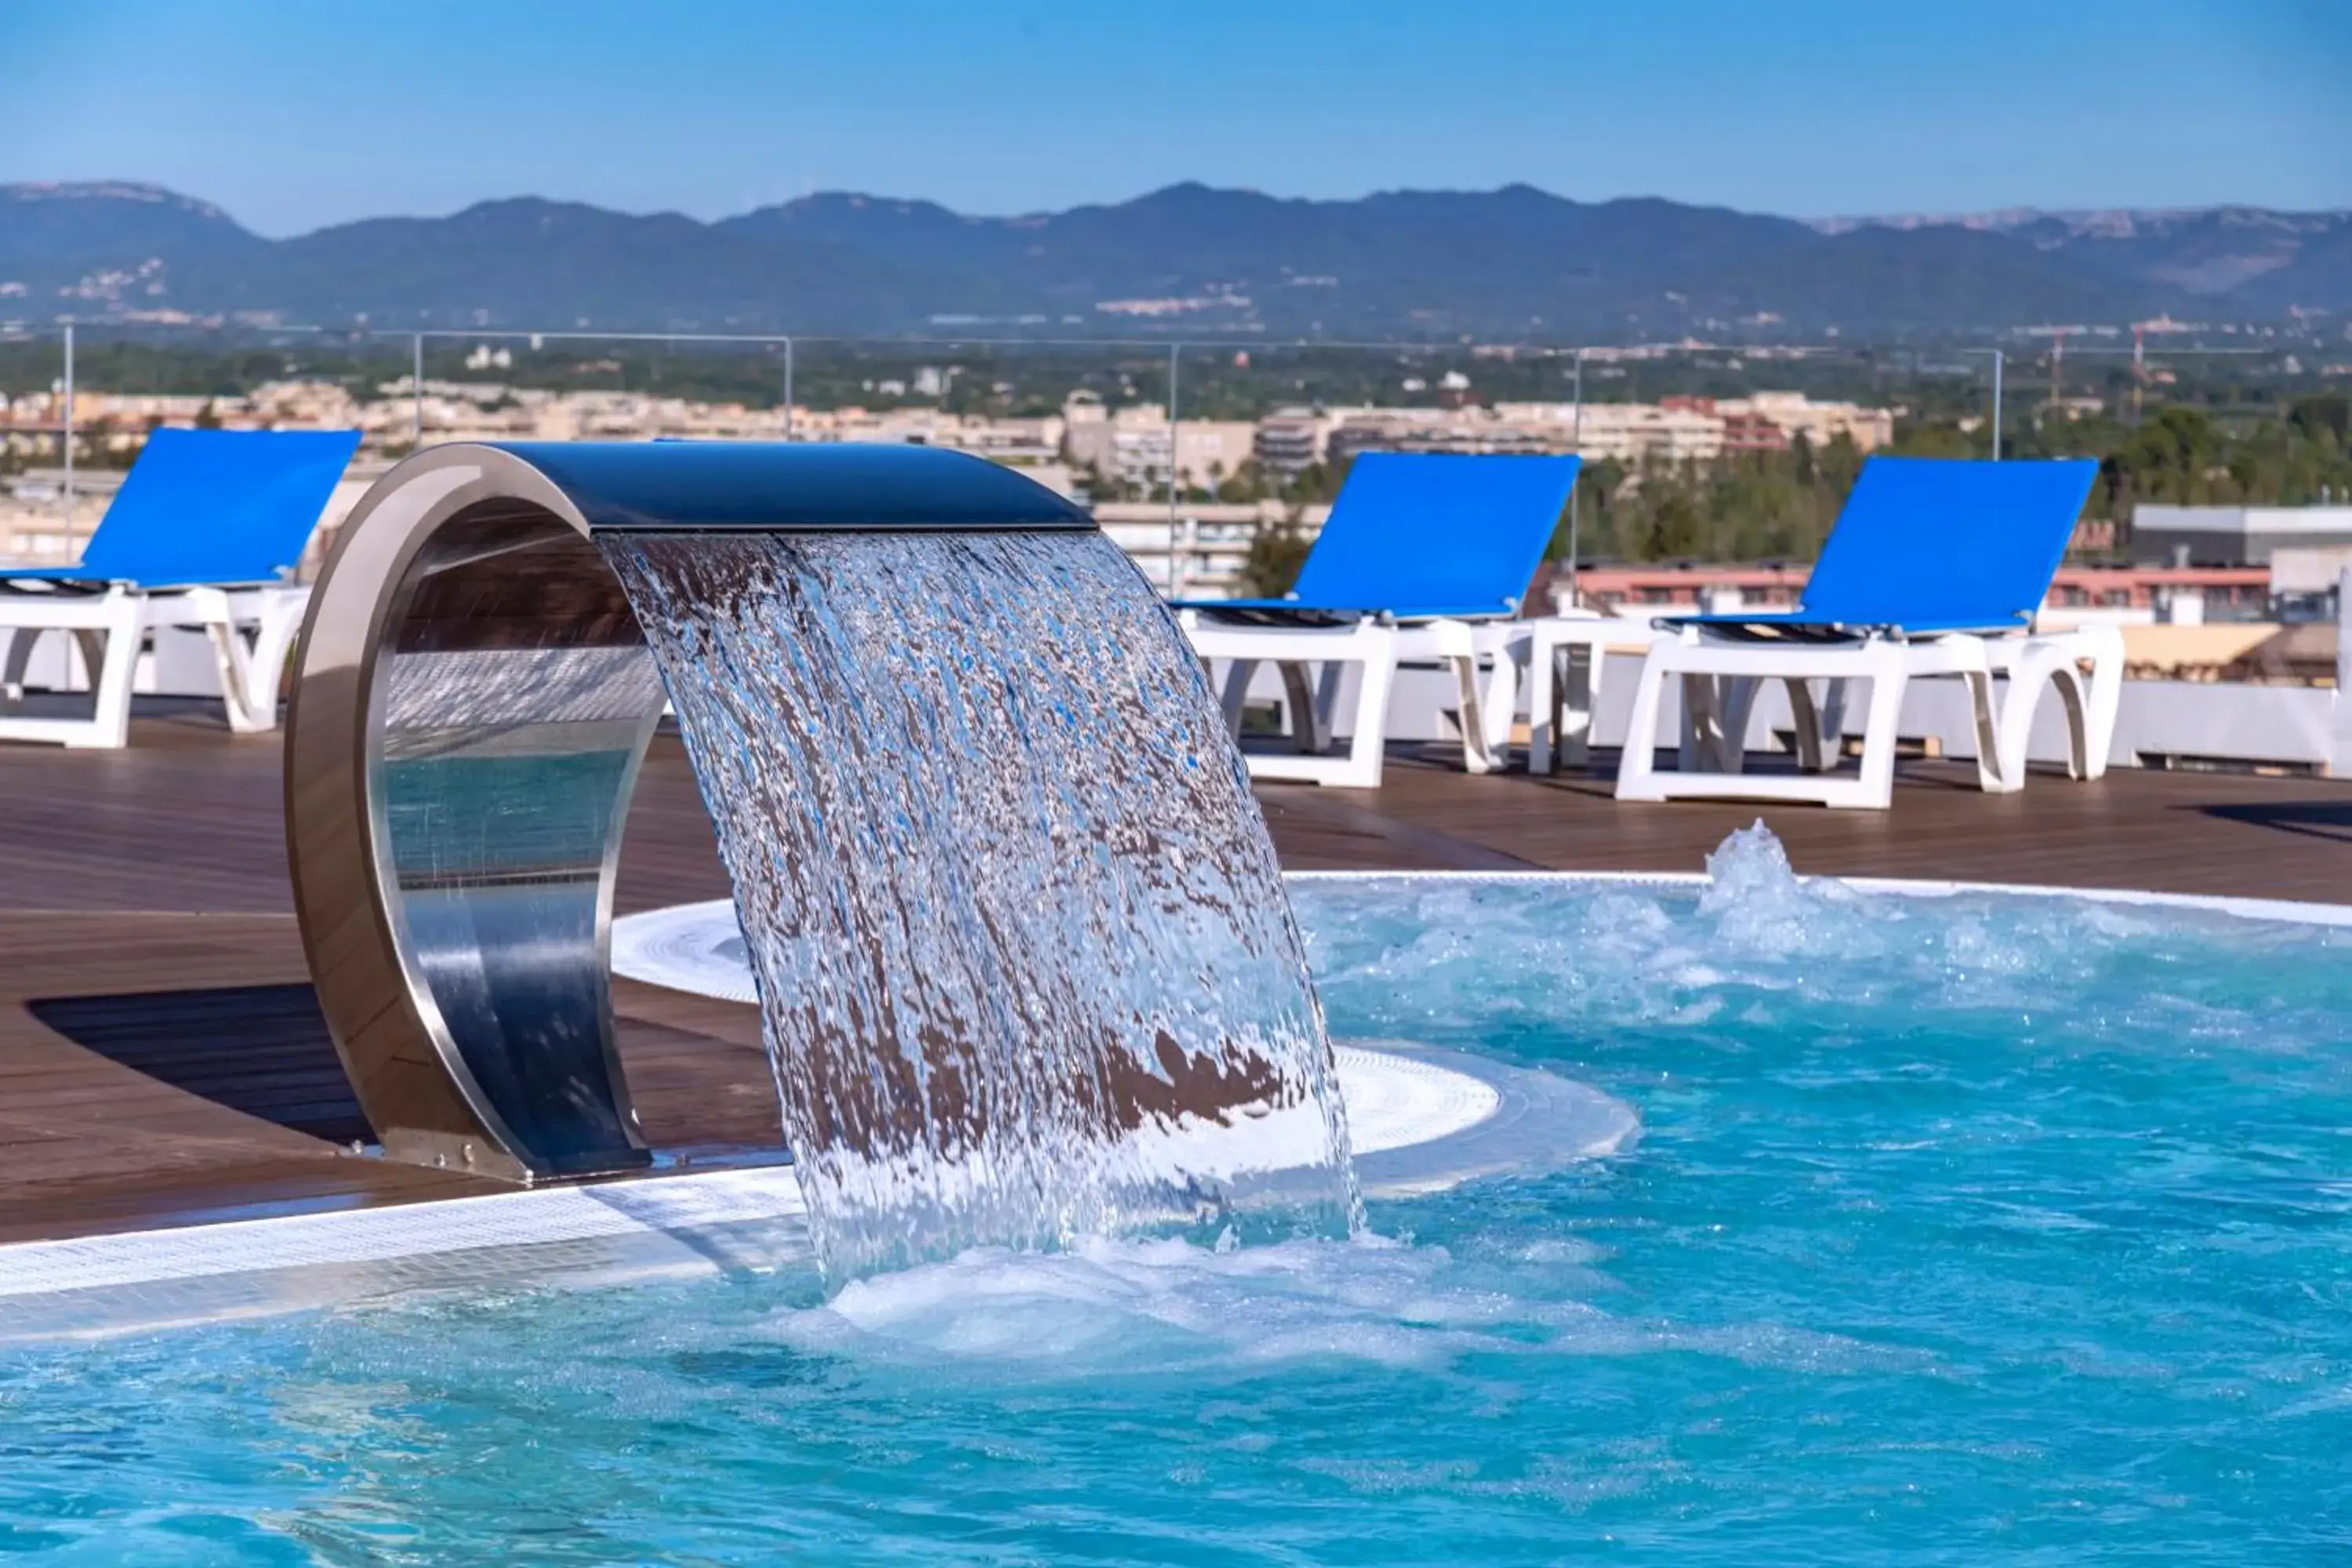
{"x":159,"y":873}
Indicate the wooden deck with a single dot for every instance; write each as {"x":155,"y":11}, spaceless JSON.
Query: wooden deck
{"x":161,"y":1062}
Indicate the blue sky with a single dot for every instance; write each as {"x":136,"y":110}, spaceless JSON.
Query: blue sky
{"x":295,"y":115}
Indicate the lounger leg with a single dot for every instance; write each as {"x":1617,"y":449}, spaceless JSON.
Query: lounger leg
{"x":1637,"y":770}
{"x":1472,"y":710}
{"x":91,"y":645}
{"x":112,"y":662}
{"x":1886,"y":684}
{"x":1329,"y":675}
{"x":2078,"y":740}
{"x":273,"y":646}
{"x":1309,"y":723}
{"x":1821,"y":722}
{"x":1808,"y":721}
{"x":1543,"y":706}
{"x":1470,"y":713}
{"x":1234,"y":696}
{"x":1480,"y":756}
{"x":1459,"y":649}
{"x":1833,"y":711}
{"x":2106,"y":696}
{"x":1502,"y":702}
{"x":1367,"y":746}
{"x":2038,"y":664}
{"x":2001,"y":768}
{"x":1738,"y":705}
{"x":1583,"y":700}
{"x":22,"y":643}
{"x":1697,"y":754}
{"x":233,"y":662}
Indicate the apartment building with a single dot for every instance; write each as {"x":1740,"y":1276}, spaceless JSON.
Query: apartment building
{"x":1137,"y":445}
{"x":1672,"y":431}
{"x":1795,"y":415}
{"x":1197,"y":551}
{"x":1675,"y":429}
{"x":1290,"y":441}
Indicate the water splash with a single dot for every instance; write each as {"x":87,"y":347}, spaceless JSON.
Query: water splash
{"x":1026,"y":968}
{"x":1127,"y":1309}
{"x":1750,"y":865}
{"x":1756,"y":900}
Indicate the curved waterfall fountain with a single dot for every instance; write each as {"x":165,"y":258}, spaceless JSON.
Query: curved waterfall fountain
{"x":1025,"y":961}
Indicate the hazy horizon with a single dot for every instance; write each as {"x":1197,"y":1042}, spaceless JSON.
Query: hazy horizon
{"x":901,"y":198}
{"x":292,"y":118}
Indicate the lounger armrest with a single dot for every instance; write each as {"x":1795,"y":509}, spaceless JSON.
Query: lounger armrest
{"x":1772,"y":628}
{"x":1797,"y":629}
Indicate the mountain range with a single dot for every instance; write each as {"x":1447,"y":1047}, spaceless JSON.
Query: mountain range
{"x":1511,"y":264}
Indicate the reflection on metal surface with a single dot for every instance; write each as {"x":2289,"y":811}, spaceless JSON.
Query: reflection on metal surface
{"x":472,"y":700}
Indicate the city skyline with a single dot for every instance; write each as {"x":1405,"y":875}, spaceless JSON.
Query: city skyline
{"x":292,"y":118}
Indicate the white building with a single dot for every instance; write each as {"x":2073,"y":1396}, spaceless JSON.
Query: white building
{"x":1133,"y":443}
{"x":1818,"y":423}
{"x":1201,"y":553}
{"x":1629,"y":432}
{"x":2234,"y":535}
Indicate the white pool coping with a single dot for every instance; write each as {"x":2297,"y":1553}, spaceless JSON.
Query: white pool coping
{"x":606,"y":1232}
{"x":1432,"y":1120}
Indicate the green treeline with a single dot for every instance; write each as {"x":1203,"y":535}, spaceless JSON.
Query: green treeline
{"x":1780,"y":505}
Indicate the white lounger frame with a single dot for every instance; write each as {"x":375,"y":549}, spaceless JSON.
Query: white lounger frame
{"x":1566,"y":659}
{"x":251,"y":629}
{"x":1720,"y":677}
{"x":1562,"y":658}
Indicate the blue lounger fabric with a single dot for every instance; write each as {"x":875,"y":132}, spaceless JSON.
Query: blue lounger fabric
{"x":1930,"y":545}
{"x":211,"y":508}
{"x":1420,"y":536}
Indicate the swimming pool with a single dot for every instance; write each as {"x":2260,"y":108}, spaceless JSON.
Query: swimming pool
{"x":1973,"y":1228}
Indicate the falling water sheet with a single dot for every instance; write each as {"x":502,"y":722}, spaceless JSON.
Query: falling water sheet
{"x":1026,"y":968}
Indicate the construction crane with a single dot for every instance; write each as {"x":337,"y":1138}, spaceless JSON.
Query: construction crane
{"x":2139,"y":366}
{"x":2058,"y":336}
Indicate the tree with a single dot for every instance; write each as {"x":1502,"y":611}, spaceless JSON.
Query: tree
{"x":1933,"y":441}
{"x":1276,"y":551}
{"x":2327,"y":413}
{"x":1678,"y":529}
{"x":1247,"y":482}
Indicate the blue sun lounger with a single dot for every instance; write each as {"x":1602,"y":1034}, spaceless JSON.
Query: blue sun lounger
{"x":206,"y":532}
{"x":1418,"y":536}
{"x":1424,"y":556}
{"x":1937,"y":567}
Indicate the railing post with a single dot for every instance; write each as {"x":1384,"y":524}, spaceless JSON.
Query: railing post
{"x":788,"y":389}
{"x":1575,"y":490}
{"x":2339,"y":762}
{"x":416,"y":393}
{"x":65,"y":430}
{"x":1175,"y":576}
{"x":1997,"y":357}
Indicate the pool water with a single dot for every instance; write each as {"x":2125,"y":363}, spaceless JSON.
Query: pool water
{"x":1967,"y":1229}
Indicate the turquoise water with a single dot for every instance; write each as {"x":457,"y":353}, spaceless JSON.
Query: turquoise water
{"x":1962,"y":1230}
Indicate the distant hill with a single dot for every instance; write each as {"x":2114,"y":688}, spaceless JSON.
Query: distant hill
{"x":1510,"y":264}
